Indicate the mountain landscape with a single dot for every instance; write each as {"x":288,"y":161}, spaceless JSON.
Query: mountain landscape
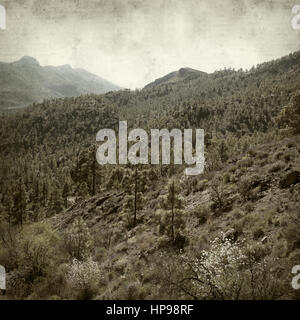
{"x":25,"y":81}
{"x":72,"y":229}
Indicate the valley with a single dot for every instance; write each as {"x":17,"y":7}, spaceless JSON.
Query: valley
{"x":150,"y":231}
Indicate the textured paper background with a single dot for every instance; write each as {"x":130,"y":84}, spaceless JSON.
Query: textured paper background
{"x":132,"y":42}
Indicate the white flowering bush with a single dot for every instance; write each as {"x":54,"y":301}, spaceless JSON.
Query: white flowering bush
{"x":232,"y":270}
{"x":83,"y":278}
{"x":216,"y":274}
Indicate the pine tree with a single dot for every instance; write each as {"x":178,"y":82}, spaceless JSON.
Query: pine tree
{"x":56,"y":203}
{"x":172,"y":202}
{"x":20,"y":199}
{"x":134,"y":183}
{"x":78,"y":240}
{"x":171,"y":206}
{"x":65,"y":194}
{"x":86,"y":170}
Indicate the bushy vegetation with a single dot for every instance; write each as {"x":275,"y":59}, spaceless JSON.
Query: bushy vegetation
{"x":71,"y":229}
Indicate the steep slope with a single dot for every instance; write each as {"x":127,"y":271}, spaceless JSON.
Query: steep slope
{"x":25,"y":81}
{"x":248,"y":196}
{"x":257,"y":212}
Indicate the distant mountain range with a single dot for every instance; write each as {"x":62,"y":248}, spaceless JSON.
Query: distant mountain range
{"x":25,"y":81}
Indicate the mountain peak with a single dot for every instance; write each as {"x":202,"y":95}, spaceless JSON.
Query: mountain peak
{"x":189,"y":70}
{"x":183,"y":74}
{"x":35,"y":83}
{"x":26,"y":60}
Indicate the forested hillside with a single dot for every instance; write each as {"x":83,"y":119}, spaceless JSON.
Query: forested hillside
{"x":149,"y":231}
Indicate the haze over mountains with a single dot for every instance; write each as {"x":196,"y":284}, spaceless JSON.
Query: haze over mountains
{"x":25,"y":81}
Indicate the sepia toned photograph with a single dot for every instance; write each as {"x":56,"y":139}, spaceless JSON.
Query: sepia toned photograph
{"x":149,"y":151}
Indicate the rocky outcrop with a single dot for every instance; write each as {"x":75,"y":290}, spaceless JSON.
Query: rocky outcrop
{"x":291,"y":178}
{"x":92,"y":210}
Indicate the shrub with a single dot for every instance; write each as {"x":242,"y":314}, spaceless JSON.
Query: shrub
{"x":288,"y":157}
{"x":36,"y":257}
{"x":278,"y":166}
{"x":216,"y":271}
{"x":244,"y":187}
{"x":133,"y":290}
{"x":291,"y":231}
{"x":202,"y":185}
{"x":201,"y":213}
{"x":226,"y":177}
{"x":83,"y":278}
{"x":36,"y":250}
{"x":237,"y":213}
{"x":218,"y":194}
{"x":164,"y":217}
{"x":238,"y":228}
{"x":249,"y":207}
{"x":252,"y":153}
{"x":78,"y":241}
{"x":258,"y":233}
{"x":230,"y":270}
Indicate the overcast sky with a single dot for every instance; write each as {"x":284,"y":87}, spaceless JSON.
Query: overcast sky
{"x":133,"y":42}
